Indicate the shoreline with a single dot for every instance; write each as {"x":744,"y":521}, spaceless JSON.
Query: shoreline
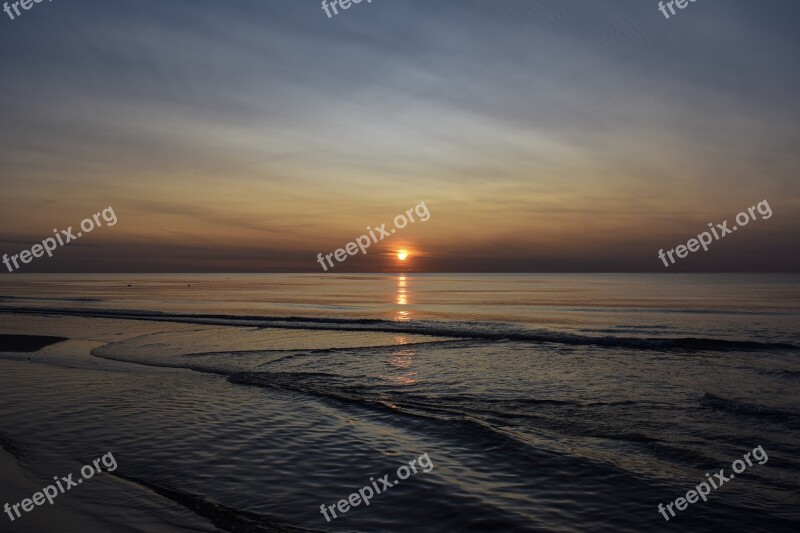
{"x":17,"y":486}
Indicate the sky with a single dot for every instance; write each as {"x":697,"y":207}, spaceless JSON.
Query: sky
{"x":543,"y":136}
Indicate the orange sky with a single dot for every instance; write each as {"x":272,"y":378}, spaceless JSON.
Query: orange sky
{"x":539,"y":142}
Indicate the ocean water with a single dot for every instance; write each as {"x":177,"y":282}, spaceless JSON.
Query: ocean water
{"x":544,"y":402}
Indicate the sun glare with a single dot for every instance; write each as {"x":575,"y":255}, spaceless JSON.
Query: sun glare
{"x":402,"y":255}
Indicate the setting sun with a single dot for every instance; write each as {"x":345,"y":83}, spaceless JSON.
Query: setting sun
{"x":402,"y":255}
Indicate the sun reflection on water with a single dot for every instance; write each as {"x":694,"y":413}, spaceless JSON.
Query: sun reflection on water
{"x":402,"y":298}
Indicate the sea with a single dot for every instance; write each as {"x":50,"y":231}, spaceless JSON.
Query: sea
{"x":544,"y":402}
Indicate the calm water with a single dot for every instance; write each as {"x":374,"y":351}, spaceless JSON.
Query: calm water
{"x":546,"y":402}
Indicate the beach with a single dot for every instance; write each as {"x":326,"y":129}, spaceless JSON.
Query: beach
{"x":411,"y":267}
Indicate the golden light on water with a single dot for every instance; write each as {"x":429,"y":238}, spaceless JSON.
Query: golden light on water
{"x":402,"y":292}
{"x":402,"y":299}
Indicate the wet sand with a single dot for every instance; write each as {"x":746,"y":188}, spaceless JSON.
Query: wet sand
{"x":16,"y":486}
{"x":107,"y":502}
{"x":26,"y":343}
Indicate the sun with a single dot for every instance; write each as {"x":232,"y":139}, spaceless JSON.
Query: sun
{"x":402,"y":255}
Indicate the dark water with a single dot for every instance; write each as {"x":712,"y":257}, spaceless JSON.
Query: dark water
{"x":545,"y":403}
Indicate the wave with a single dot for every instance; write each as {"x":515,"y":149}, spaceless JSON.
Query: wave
{"x":742,"y":408}
{"x":518,"y":423}
{"x":225,"y":518}
{"x":783,"y":372}
{"x":481,"y":331}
